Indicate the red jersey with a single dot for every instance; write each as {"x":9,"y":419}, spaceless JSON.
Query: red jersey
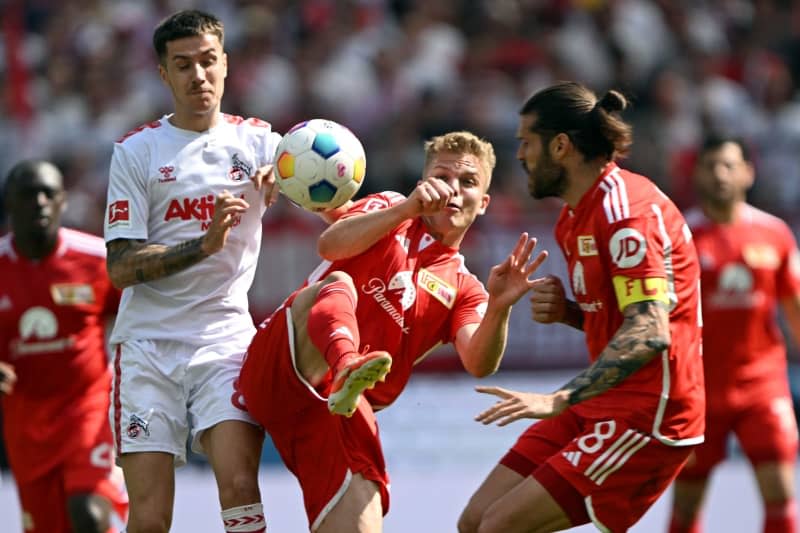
{"x":52,"y":315}
{"x":626,"y":242}
{"x":414,"y":293}
{"x":747,"y":267}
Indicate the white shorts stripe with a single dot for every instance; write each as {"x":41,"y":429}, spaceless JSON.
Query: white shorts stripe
{"x":611,"y":461}
{"x":599,"y":461}
{"x":624,"y":459}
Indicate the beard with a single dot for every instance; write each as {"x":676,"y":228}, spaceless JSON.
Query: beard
{"x":546,"y":179}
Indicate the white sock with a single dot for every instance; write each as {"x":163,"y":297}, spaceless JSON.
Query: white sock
{"x":245,"y":518}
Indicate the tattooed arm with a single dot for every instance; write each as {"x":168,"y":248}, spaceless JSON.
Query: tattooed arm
{"x":131,"y":261}
{"x":644,"y":333}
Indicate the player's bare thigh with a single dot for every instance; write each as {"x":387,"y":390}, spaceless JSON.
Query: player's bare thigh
{"x":527,"y":507}
{"x":499,"y":481}
{"x":359,"y":510}
{"x":150,"y":480}
{"x":310,"y":362}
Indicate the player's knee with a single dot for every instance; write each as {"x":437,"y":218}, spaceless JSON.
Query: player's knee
{"x":89,"y":513}
{"x":339,"y":276}
{"x":239,"y":489}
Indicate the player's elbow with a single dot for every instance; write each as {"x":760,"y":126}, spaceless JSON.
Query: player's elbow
{"x":482,"y":370}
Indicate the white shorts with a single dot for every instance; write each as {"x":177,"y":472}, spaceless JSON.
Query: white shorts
{"x":163,"y":390}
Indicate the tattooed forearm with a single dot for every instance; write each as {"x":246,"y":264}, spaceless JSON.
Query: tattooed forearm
{"x":130,"y":262}
{"x":644,"y":333}
{"x":573,"y":316}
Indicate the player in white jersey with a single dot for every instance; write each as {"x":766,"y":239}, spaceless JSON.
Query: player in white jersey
{"x":183,"y":230}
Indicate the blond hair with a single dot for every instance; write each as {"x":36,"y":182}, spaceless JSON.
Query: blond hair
{"x":462,"y":142}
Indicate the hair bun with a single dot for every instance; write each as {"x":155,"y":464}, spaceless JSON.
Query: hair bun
{"x":613,"y":101}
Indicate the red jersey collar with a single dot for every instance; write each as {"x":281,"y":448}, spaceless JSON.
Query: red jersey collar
{"x":587,"y":197}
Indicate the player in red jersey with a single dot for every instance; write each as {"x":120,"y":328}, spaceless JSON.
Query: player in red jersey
{"x":616,"y":435}
{"x":393,"y":287}
{"x":55,"y":297}
{"x":750,"y":266}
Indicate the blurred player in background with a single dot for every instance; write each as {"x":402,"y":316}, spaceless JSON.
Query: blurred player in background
{"x":55,"y":298}
{"x":183,"y":231}
{"x":750,"y":264}
{"x":393,"y":288}
{"x":616,"y":435}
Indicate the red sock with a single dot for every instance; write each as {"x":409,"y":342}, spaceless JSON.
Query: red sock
{"x":675,"y":526}
{"x":780,"y":517}
{"x":332,"y":325}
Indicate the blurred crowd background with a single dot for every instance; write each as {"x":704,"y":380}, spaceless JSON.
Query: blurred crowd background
{"x":78,"y":74}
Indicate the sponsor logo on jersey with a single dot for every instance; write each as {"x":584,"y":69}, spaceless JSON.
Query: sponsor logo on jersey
{"x":736,"y":289}
{"x":239,"y":169}
{"x":72,"y":293}
{"x":119,"y":214}
{"x":578,"y":280}
{"x":401,"y":282}
{"x":634,"y":290}
{"x":587,"y":246}
{"x":166,"y":174}
{"x":201,"y":208}
{"x":437,"y":287}
{"x":38,"y":327}
{"x":761,"y":256}
{"x":628,"y":247}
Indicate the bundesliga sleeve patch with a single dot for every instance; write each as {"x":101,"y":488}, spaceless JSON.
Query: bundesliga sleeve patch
{"x":119,"y":214}
{"x":631,"y":290}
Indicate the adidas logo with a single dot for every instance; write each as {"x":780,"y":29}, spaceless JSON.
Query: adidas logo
{"x":573,"y":457}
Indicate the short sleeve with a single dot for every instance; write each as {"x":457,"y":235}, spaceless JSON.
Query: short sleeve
{"x":127,"y":203}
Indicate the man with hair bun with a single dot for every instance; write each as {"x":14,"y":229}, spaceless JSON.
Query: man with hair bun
{"x":615,"y":436}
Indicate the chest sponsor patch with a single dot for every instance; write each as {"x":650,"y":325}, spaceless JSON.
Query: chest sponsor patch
{"x":634,"y":290}
{"x":437,"y":287}
{"x":628,"y":247}
{"x":587,"y":246}
{"x":761,"y":256}
{"x":72,"y":293}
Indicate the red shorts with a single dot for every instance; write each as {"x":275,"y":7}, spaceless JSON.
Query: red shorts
{"x":766,"y":431}
{"x":602,"y":470}
{"x":88,"y":470}
{"x":322,"y":450}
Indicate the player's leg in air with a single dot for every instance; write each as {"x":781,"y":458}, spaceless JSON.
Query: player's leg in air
{"x":325,"y":317}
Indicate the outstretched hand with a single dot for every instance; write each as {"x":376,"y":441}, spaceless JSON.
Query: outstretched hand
{"x":515,"y":405}
{"x":509,"y":280}
{"x":7,"y":378}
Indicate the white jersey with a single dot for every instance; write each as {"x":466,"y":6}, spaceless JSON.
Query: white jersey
{"x":162,"y":187}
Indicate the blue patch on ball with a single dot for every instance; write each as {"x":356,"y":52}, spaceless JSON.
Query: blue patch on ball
{"x":322,"y":192}
{"x":325,"y":145}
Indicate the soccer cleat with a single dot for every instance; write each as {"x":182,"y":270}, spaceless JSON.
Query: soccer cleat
{"x":354,"y":375}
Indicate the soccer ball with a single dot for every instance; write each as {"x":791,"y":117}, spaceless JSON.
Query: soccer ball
{"x":319,"y":164}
